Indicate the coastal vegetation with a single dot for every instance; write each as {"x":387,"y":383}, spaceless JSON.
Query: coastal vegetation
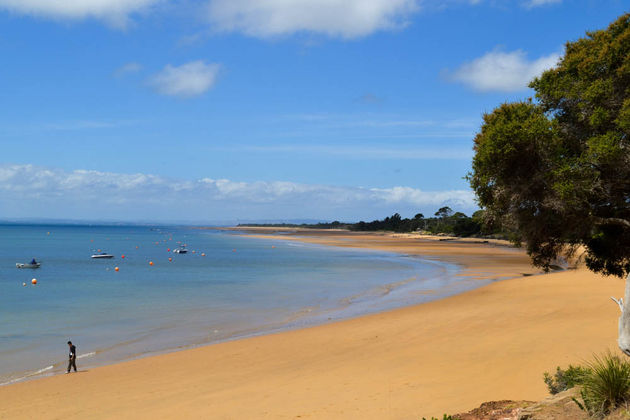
{"x":444,"y":221}
{"x":604,"y":383}
{"x":557,"y":169}
{"x":564,"y":379}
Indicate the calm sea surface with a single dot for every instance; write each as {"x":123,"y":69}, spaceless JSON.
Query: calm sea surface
{"x":242,"y":286}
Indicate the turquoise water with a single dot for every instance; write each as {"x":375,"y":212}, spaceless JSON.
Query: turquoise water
{"x":242,"y":286}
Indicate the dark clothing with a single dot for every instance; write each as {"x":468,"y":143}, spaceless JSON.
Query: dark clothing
{"x":33,"y":261}
{"x":72,"y":358}
{"x":72,"y":364}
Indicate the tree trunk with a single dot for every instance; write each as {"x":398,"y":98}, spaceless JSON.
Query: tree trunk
{"x":624,"y":320}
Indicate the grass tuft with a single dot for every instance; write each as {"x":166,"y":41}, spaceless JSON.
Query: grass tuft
{"x":606,"y":385}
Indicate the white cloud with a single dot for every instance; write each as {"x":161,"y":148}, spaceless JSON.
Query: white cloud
{"x":115,"y":12}
{"x":343,"y":18}
{"x":33,"y":191}
{"x":187,"y":80}
{"x":502,"y":71}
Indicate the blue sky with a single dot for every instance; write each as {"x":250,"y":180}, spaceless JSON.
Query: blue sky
{"x":226,"y":110}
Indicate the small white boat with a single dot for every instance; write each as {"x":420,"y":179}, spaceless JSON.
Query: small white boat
{"x":103,"y":255}
{"x":180,"y":250}
{"x":28,"y":265}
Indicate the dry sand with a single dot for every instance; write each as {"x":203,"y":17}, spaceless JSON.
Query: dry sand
{"x":441,"y":357}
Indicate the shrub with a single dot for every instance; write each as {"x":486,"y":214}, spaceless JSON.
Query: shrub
{"x":606,"y":386}
{"x":564,"y":379}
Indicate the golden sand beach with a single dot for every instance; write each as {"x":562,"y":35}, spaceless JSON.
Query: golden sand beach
{"x":445,"y":356}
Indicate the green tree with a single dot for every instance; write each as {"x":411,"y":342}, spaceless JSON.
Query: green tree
{"x":444,"y":212}
{"x":557,"y":169}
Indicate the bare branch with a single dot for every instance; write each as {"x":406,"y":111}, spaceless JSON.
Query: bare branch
{"x":618,"y":302}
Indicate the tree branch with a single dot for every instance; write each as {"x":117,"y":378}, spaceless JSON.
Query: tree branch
{"x":611,"y":221}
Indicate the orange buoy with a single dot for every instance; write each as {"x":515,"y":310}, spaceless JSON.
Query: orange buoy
{"x":273,"y":246}
{"x":122,"y":256}
{"x":99,"y":250}
{"x":136,"y":246}
{"x":170,"y":259}
{"x":34,"y":281}
{"x":23,"y":284}
{"x":203,"y":254}
{"x":116,"y":269}
{"x":150,"y":262}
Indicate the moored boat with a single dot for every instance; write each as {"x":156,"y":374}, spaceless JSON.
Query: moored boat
{"x":28,"y":265}
{"x":102,"y":255}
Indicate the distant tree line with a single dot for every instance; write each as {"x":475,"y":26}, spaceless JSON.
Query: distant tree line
{"x":444,"y":221}
{"x":323,"y":225}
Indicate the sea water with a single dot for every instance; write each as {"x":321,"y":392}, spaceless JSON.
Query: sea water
{"x":227,"y":286}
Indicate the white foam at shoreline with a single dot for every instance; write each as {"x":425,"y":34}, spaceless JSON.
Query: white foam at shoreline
{"x":47,"y":368}
{"x":81,"y":356}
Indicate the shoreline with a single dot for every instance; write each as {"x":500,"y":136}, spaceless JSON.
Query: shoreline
{"x":342,"y":369}
{"x":348,"y":307}
{"x":472,"y":254}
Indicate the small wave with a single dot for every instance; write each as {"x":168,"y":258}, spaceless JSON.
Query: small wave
{"x":42,"y":370}
{"x":28,"y":375}
{"x":81,"y":356}
{"x":310,"y":310}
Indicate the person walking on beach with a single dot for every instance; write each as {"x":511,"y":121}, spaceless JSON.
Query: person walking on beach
{"x":72,"y":357}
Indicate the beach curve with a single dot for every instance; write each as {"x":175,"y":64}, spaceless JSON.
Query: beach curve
{"x":443,"y":356}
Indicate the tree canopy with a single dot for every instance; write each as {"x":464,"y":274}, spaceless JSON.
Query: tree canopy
{"x":557,"y":169}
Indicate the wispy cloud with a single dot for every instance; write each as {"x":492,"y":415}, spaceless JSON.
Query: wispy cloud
{"x":536,"y":3}
{"x":337,"y":18}
{"x":83,"y":125}
{"x":35,"y":191}
{"x":378,"y":126}
{"x":381,"y":120}
{"x":192,"y":39}
{"x":188,"y":80}
{"x":114,"y":12}
{"x":360,"y":152}
{"x":502,"y":71}
{"x":128,"y":68}
{"x":370,"y":99}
